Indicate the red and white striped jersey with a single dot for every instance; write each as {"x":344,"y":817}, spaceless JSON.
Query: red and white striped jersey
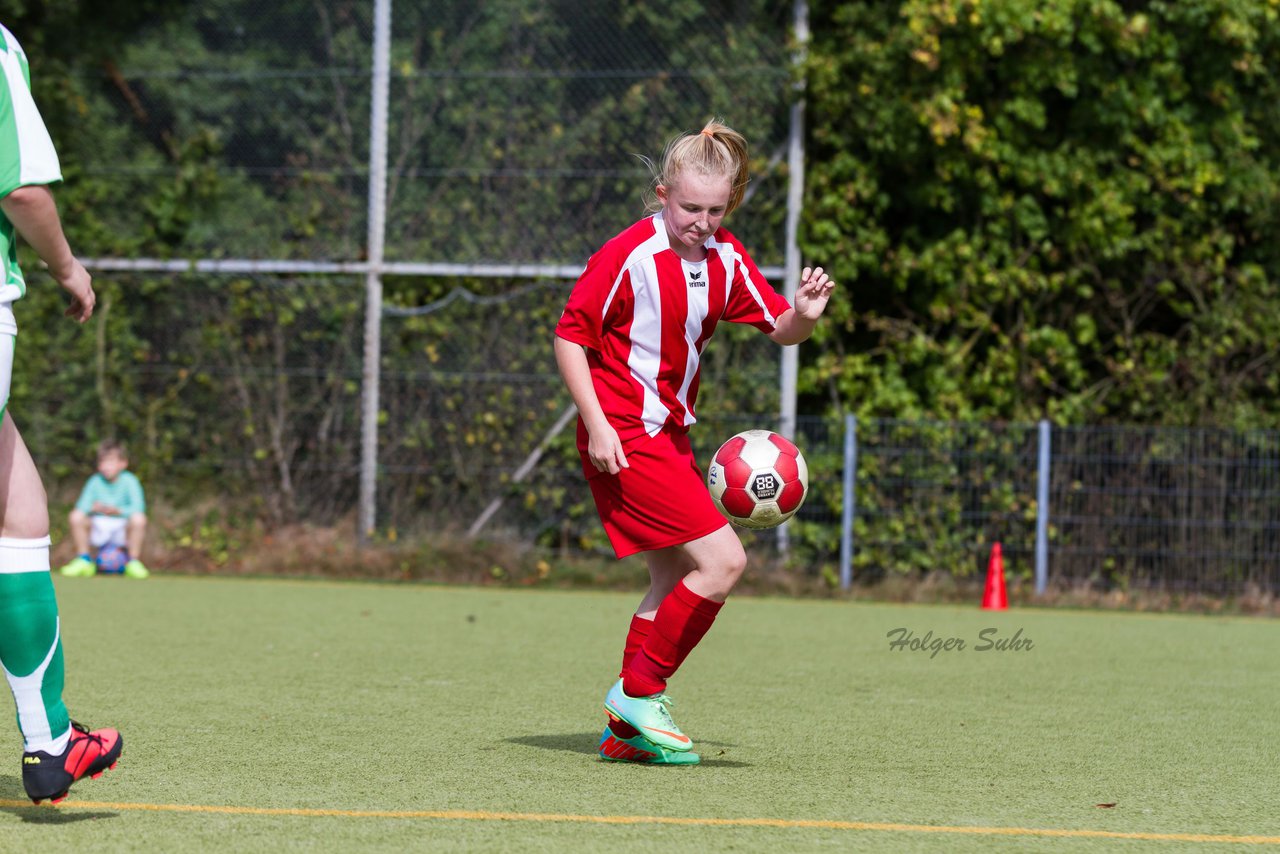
{"x":644,"y":314}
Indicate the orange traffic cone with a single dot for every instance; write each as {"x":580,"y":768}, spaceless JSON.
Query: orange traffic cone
{"x":993,"y":598}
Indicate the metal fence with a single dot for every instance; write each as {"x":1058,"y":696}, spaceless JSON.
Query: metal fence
{"x":1180,"y":510}
{"x":1096,"y":508}
{"x":259,"y":404}
{"x":493,"y":110}
{"x":458,"y":141}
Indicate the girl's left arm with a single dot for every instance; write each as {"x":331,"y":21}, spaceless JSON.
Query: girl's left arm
{"x":796,"y":324}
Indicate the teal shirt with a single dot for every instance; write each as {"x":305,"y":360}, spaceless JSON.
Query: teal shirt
{"x":125,"y":492}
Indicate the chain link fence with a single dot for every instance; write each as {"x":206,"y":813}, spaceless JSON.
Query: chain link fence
{"x":1184,"y":510}
{"x":515,"y":132}
{"x":236,"y":136}
{"x":1148,"y":508}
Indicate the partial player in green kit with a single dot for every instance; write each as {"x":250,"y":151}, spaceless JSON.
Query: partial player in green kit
{"x":57,"y":750}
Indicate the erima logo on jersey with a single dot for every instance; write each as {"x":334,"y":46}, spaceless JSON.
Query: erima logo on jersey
{"x":695,"y":279}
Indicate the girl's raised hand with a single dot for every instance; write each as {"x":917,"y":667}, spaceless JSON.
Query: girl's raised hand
{"x":814,"y":291}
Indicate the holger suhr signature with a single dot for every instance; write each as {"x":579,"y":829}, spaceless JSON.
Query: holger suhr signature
{"x":989,"y":640}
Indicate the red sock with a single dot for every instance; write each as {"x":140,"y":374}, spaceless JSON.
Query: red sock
{"x":682,"y":619}
{"x":638,"y":631}
{"x":636,"y":634}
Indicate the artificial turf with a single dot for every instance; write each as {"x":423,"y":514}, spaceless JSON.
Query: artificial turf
{"x":319,"y":716}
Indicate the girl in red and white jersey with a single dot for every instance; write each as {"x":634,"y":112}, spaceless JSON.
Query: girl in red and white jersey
{"x":628,"y":347}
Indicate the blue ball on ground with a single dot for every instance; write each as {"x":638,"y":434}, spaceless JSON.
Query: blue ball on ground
{"x":111,"y":559}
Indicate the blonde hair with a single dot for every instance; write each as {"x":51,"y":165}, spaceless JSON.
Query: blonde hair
{"x":715,"y":150}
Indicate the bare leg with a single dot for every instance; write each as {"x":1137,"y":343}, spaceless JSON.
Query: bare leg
{"x":666,"y":568}
{"x":718,"y":562}
{"x":710,"y":567}
{"x":682,"y":613}
{"x":135,"y":533}
{"x":30,"y":648}
{"x":24,"y":508}
{"x":79,"y":523}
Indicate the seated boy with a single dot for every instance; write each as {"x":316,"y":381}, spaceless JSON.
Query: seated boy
{"x":111,"y":510}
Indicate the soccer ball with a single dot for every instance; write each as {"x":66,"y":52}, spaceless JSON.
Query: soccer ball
{"x":111,"y":559}
{"x":758,"y":479}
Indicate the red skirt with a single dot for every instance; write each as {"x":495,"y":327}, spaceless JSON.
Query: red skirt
{"x":661,"y":500}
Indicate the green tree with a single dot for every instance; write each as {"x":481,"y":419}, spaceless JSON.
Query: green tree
{"x":1060,"y":209}
{"x":235,"y":128}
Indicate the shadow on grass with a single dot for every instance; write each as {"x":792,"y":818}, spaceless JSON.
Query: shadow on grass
{"x":586,"y":742}
{"x":45,"y":813}
{"x":578,"y":742}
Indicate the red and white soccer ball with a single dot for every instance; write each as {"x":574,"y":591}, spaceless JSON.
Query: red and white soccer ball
{"x":758,"y":479}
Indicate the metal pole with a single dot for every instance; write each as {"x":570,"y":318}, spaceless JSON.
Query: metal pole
{"x":523,"y":471}
{"x":791,"y":267}
{"x":850,"y":496}
{"x":1042,"y":511}
{"x":371,"y":374}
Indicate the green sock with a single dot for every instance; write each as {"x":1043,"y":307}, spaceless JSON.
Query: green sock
{"x":31,"y":644}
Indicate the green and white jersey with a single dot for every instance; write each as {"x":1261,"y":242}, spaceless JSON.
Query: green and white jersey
{"x":27,"y":157}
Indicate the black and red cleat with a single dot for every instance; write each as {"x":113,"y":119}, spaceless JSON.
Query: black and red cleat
{"x":47,"y":776}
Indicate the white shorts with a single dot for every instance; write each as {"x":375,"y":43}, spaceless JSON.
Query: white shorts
{"x":7,"y":344}
{"x":107,"y":529}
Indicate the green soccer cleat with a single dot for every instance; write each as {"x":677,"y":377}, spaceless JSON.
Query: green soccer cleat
{"x":79,"y":568}
{"x":135,"y":569}
{"x":649,"y":715}
{"x":640,"y":750}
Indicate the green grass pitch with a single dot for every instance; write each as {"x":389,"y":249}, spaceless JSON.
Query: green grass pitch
{"x":267,"y":715}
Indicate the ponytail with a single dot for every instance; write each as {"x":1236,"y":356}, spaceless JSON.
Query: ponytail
{"x":716,"y":150}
